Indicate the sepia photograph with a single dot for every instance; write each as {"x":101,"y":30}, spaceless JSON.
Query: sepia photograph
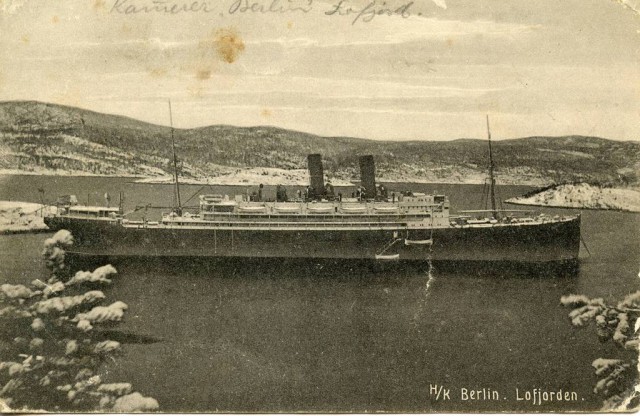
{"x":319,"y":206}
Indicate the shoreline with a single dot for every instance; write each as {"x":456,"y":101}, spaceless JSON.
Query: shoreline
{"x":14,"y":172}
{"x":584,"y":197}
{"x":257,"y":179}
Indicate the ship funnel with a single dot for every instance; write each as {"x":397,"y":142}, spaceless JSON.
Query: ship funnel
{"x":368,"y":176}
{"x":316,"y":175}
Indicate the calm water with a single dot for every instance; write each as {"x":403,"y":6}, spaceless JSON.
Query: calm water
{"x":285,"y":336}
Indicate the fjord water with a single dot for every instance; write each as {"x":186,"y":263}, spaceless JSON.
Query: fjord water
{"x":317,"y":336}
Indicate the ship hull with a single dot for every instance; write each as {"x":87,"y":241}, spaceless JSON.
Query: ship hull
{"x":553,"y":241}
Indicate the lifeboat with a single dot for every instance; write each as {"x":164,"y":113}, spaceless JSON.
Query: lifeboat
{"x":356,"y":209}
{"x":252,"y":208}
{"x":427,"y":242}
{"x":320,"y":209}
{"x":287,"y":209}
{"x":478,"y":221}
{"x":386,"y":210}
{"x":388,"y":257}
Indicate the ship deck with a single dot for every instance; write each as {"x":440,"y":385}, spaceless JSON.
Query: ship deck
{"x":270,"y":222}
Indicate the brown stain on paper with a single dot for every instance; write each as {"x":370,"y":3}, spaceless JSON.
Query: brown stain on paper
{"x":157,"y":72}
{"x":203,"y":74}
{"x":266,"y":113}
{"x":224,"y":45}
{"x":228,"y":44}
{"x":55,"y":19}
{"x":126,"y":29}
{"x":99,"y":5}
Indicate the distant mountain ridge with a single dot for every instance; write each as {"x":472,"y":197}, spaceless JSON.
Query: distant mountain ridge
{"x":51,"y":138}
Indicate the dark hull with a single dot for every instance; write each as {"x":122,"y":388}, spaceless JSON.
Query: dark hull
{"x":525,"y":243}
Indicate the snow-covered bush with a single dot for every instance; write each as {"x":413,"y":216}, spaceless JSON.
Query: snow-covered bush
{"x":617,"y":378}
{"x":50,"y":351}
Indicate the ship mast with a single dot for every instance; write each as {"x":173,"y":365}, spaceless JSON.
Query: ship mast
{"x":175,"y":163}
{"x":492,"y":180}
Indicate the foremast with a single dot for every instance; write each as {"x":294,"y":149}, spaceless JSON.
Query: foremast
{"x":492,"y":179}
{"x":175,"y":165}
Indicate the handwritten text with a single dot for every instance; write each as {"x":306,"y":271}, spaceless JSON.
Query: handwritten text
{"x":371,"y":10}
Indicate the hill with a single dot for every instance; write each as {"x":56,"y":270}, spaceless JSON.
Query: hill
{"x":50,"y":138}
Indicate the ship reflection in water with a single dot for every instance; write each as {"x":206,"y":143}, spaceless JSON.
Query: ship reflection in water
{"x":291,"y":335}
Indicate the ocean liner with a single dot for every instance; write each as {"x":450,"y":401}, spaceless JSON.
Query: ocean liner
{"x":372,"y":223}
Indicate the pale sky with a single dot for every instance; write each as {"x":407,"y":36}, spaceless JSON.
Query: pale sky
{"x":543,"y":67}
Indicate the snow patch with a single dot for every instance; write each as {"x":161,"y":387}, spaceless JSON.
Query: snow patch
{"x":18,"y":216}
{"x":584,"y":196}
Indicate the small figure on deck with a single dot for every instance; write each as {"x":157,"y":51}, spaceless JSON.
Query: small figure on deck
{"x":362,"y":193}
{"x":281,"y":194}
{"x":383,"y":192}
{"x":328,"y":191}
{"x":260,"y":193}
